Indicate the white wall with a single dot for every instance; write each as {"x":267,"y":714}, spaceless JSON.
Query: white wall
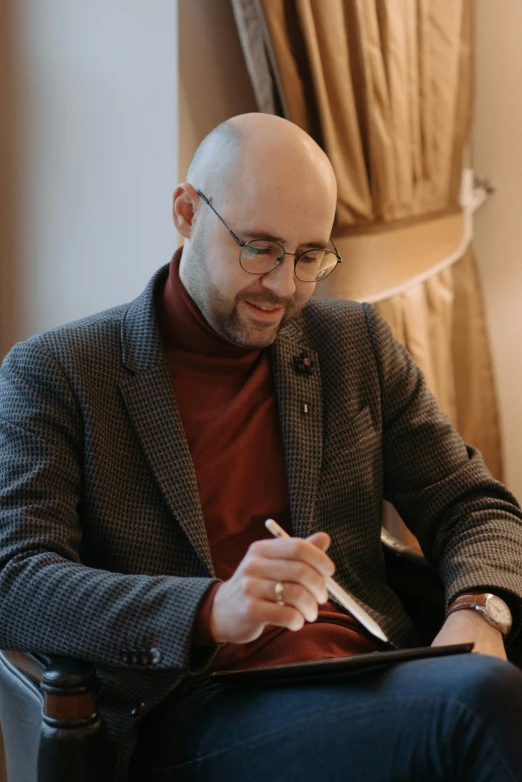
{"x":100,"y":147}
{"x":498,"y":155}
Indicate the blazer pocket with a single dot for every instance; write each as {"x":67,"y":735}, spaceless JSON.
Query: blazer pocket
{"x":349,"y":436}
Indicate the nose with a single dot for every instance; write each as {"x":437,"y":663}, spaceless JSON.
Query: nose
{"x":281,"y":280}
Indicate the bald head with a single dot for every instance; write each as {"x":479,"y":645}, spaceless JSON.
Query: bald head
{"x":268,"y":181}
{"x":260,"y":148}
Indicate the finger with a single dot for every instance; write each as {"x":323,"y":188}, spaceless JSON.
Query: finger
{"x":271,"y":613}
{"x":320,"y":539}
{"x":293,"y":595}
{"x":294,"y":549}
{"x":288,"y":570}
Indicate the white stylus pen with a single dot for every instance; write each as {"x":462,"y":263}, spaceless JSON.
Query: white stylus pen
{"x":338,"y":592}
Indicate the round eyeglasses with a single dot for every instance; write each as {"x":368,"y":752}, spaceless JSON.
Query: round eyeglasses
{"x":260,"y":256}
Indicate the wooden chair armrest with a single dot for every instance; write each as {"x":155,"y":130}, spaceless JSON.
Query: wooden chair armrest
{"x":73,"y":742}
{"x":69,"y":686}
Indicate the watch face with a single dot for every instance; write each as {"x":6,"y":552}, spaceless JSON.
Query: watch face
{"x":498,"y":610}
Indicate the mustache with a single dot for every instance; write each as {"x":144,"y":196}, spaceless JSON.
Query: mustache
{"x":267,"y":299}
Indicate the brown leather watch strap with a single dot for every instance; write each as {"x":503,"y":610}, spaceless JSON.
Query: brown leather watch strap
{"x":469,"y":600}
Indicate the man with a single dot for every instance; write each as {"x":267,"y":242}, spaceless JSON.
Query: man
{"x":142,"y":449}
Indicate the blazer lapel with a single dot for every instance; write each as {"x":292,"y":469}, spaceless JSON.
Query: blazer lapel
{"x":152,"y":408}
{"x":298,"y":387}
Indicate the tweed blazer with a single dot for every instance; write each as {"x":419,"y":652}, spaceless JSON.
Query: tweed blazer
{"x":103,"y":549}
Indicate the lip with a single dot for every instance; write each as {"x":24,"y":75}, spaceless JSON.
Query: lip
{"x":266,"y":317}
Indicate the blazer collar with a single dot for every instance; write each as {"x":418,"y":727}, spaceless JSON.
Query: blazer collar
{"x":152,"y":408}
{"x":301,"y":412}
{"x":141,"y":345}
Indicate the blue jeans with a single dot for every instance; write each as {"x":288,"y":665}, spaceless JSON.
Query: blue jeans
{"x":456,"y":718}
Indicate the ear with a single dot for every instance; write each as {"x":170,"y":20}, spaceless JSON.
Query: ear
{"x":185,"y":203}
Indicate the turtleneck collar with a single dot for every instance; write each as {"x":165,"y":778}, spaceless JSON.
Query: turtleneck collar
{"x":183,"y":325}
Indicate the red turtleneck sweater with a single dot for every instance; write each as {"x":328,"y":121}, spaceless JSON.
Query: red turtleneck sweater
{"x":228,"y":407}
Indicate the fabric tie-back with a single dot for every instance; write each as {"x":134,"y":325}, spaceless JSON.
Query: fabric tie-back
{"x":385,"y":87}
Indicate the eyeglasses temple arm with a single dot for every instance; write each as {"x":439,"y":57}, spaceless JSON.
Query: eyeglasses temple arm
{"x":336,"y":251}
{"x":231,"y":232}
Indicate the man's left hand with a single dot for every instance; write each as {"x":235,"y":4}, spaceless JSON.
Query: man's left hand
{"x":467,"y":626}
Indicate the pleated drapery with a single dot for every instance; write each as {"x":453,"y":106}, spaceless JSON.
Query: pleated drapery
{"x":385,"y":87}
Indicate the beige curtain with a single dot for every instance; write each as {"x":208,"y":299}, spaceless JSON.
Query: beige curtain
{"x":385,"y":86}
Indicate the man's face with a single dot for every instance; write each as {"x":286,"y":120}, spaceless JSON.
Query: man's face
{"x":249,"y":310}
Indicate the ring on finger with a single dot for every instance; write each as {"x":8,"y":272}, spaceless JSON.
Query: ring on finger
{"x":278,"y":590}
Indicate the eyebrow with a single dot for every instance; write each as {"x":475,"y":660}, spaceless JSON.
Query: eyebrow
{"x":251,"y":235}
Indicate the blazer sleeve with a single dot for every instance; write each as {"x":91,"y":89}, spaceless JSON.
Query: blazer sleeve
{"x":467,"y":523}
{"x":49,"y":601}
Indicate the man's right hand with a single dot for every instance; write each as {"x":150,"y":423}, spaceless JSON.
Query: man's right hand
{"x":246,"y":603}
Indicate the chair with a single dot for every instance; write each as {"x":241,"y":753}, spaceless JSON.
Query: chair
{"x":52,"y":731}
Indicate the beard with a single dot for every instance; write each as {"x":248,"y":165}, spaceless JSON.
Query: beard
{"x":224,"y":315}
{"x":240,"y":330}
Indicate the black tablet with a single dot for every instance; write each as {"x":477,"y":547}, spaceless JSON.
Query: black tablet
{"x":317,"y":669}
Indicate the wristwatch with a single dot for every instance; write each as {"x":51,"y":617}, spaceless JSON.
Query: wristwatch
{"x":492,"y":608}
